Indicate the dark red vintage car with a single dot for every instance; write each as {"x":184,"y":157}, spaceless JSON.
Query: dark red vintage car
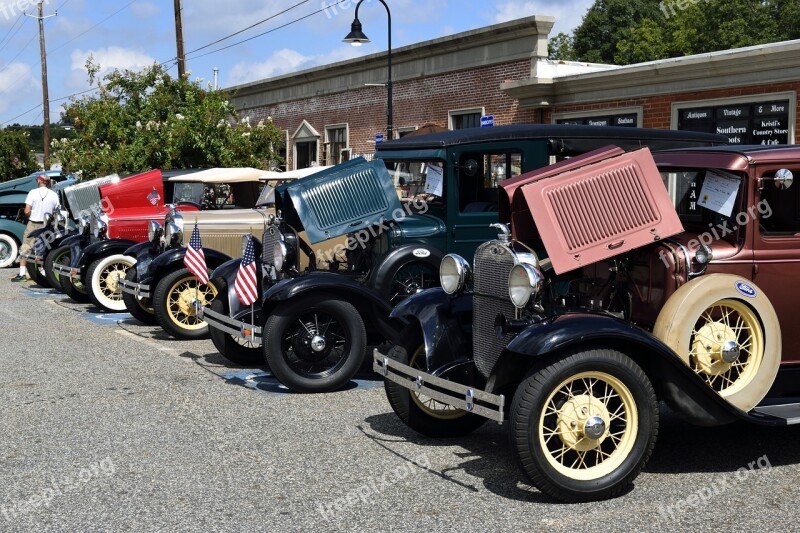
{"x":627,"y":279}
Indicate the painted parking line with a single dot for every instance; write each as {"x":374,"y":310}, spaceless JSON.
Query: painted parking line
{"x":266,"y":383}
{"x":43,"y":292}
{"x":106,"y":319}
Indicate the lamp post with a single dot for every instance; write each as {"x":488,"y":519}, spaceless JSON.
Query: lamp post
{"x":356,"y":37}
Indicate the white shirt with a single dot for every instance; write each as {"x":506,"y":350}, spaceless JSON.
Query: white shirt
{"x":42,"y":201}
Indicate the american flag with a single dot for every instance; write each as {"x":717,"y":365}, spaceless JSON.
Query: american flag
{"x":153,"y":197}
{"x":245,"y":285}
{"x":195,"y":259}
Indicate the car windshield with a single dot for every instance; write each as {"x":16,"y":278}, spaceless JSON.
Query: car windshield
{"x":418,"y":179}
{"x":704,"y":197}
{"x":208,"y":195}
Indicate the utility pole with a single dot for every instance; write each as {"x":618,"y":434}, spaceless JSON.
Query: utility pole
{"x":179,"y":40}
{"x":45,"y":92}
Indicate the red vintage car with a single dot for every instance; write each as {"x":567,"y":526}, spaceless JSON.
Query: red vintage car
{"x":627,"y":279}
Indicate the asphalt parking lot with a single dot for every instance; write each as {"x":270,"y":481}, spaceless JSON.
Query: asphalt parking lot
{"x":110,"y":425}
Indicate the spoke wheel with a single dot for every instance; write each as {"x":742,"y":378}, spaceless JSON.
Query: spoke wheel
{"x":315,"y":344}
{"x":173,"y":304}
{"x":103,"y":277}
{"x":411,"y":279}
{"x":729,"y":336}
{"x":422,"y":413}
{"x":59,"y":256}
{"x":584,"y":426}
{"x":74,"y":289}
{"x":9,"y":249}
{"x":140,"y":308}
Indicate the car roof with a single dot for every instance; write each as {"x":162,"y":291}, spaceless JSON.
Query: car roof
{"x":552,"y":132}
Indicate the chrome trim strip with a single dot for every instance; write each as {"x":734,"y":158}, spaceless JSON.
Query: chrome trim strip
{"x":463,"y":397}
{"x":135,"y":289}
{"x":229,"y":325}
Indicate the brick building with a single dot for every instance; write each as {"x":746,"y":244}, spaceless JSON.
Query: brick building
{"x":334,"y":112}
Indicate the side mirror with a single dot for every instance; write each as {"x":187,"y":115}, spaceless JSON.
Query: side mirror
{"x":783,"y":179}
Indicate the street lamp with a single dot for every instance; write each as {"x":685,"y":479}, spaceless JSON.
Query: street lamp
{"x":356,"y":37}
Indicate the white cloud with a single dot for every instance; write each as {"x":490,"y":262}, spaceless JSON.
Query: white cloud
{"x":286,"y":61}
{"x":145,"y":10}
{"x":113,"y":57}
{"x":16,"y":80}
{"x":568,"y":13}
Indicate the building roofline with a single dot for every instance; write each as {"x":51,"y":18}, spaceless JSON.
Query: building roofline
{"x":536,"y":25}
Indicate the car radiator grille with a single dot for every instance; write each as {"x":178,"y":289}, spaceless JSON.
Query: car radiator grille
{"x":339,"y":192}
{"x":493,"y":264}
{"x":271,"y":237}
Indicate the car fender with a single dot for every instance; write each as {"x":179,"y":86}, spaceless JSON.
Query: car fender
{"x":675,"y":383}
{"x":227,"y":272}
{"x":381,"y":277}
{"x":13,"y":228}
{"x":77,"y":244}
{"x":104,"y":248}
{"x":446,"y":323}
{"x":144,"y":253}
{"x":170,"y":259}
{"x":373,"y":308}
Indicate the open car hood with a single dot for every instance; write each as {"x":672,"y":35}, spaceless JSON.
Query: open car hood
{"x":339,"y":200}
{"x":85,"y":196}
{"x":592,"y":207}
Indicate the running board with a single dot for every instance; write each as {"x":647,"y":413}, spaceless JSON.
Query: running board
{"x":789,"y":413}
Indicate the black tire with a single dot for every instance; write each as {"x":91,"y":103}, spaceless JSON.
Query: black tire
{"x":292,"y":360}
{"x":230,"y":348}
{"x":62,"y":255}
{"x":138,"y":308}
{"x":181,"y":323}
{"x":77,"y":293}
{"x":36,"y":274}
{"x":425,"y":416}
{"x":408,"y":279}
{"x":560,"y":399}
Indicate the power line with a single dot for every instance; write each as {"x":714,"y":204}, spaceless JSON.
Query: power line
{"x":270,"y":31}
{"x":276,"y":15}
{"x":123,"y":8}
{"x":21,"y":17}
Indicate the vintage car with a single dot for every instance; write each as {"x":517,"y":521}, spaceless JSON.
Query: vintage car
{"x":115,"y":217}
{"x":160,"y":289}
{"x":625,"y":280}
{"x":12,"y":204}
{"x":313,"y":327}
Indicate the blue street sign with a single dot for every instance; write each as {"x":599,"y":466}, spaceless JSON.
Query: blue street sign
{"x":487,"y":121}
{"x":379,"y":138}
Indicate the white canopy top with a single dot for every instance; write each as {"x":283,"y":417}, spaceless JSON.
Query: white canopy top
{"x":242,"y":175}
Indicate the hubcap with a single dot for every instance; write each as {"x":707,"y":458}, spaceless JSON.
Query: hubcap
{"x":727,"y":346}
{"x":594,"y":428}
{"x":576,"y":416}
{"x":181,"y":299}
{"x":109,"y":280}
{"x":5,"y":251}
{"x":318,"y":343}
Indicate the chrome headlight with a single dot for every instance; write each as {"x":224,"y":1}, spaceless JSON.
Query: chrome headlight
{"x":83,"y":225}
{"x":524,"y":283}
{"x":454,"y":273}
{"x":61,"y":217}
{"x":154,"y":231}
{"x":100,"y":227}
{"x":281,"y":252}
{"x":703,"y":255}
{"x":173,"y":234}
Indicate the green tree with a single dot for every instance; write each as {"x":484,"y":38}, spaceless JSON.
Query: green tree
{"x":562,"y":47}
{"x":16,"y":160}
{"x":631,"y":31}
{"x":143,"y":120}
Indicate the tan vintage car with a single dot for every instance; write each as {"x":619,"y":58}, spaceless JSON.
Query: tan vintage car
{"x":160,"y":289}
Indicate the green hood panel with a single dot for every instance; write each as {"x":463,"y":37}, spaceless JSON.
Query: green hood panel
{"x":340,"y":200}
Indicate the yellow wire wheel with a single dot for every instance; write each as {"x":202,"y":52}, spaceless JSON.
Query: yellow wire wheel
{"x":588,"y":426}
{"x":180,"y":297}
{"x":726,"y":330}
{"x":427,"y":404}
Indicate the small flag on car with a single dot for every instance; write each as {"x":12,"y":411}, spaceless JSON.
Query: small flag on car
{"x":245,"y":285}
{"x":195,"y":259}
{"x":154,"y":197}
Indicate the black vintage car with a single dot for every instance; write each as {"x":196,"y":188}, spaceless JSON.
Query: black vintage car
{"x":422,"y":198}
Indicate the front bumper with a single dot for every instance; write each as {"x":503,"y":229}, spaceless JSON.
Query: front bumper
{"x":66,"y":270}
{"x":462,"y":397}
{"x":139,"y":290}
{"x":237,"y":328}
{"x":32,"y":258}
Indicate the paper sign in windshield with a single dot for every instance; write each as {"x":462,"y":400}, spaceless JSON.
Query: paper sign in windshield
{"x":434,"y":181}
{"x":719,"y":193}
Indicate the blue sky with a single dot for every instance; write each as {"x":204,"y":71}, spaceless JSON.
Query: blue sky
{"x":132,"y":34}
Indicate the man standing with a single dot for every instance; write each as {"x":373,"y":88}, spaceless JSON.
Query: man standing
{"x":40,"y":202}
